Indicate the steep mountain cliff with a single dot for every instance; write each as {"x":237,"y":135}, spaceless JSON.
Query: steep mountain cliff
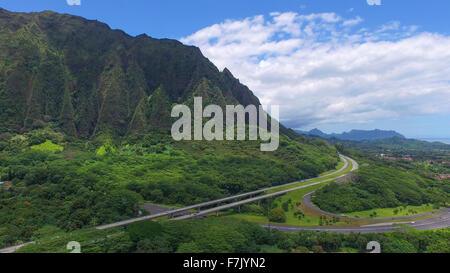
{"x":91,"y":79}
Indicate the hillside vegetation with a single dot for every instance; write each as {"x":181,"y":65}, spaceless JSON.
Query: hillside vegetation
{"x":398,"y":147}
{"x":217,"y":235}
{"x":71,"y":183}
{"x":379,"y":185}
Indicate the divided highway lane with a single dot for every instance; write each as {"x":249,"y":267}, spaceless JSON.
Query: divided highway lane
{"x":218,"y":201}
{"x":271,"y":195}
{"x":250,"y":200}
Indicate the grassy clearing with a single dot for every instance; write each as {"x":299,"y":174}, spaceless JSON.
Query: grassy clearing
{"x":48,"y":146}
{"x":394,"y":212}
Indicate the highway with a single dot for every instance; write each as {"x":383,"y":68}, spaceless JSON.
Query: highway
{"x":306,"y":200}
{"x":278,"y":193}
{"x":198,"y":207}
{"x":442,"y":221}
{"x":251,"y":200}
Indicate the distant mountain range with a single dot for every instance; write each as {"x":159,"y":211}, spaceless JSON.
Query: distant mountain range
{"x":354,"y":135}
{"x":396,"y":146}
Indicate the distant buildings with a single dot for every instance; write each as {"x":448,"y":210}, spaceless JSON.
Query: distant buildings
{"x":405,"y":158}
{"x":438,"y":162}
{"x":386,"y":157}
{"x":443,"y":176}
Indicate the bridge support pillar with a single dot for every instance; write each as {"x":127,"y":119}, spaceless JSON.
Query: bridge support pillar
{"x":217,"y":213}
{"x":259,"y":203}
{"x":198,"y":210}
{"x":239,"y":209}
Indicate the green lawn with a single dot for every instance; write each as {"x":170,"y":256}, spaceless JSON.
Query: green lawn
{"x":390,"y":212}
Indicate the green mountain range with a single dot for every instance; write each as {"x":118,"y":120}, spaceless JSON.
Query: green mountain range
{"x":90,"y":79}
{"x":354,"y":135}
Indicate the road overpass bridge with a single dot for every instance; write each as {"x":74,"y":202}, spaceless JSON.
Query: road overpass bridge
{"x":248,"y":197}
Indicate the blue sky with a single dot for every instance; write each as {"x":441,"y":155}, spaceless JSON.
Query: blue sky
{"x":335,"y":65}
{"x":179,"y":18}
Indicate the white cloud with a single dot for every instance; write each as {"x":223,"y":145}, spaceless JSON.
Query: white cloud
{"x":394,"y":25}
{"x":352,"y":22}
{"x":324,"y":69}
{"x":374,"y":2}
{"x":73,"y":2}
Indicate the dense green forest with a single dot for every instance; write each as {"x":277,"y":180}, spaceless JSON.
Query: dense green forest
{"x":70,"y":183}
{"x":216,"y":235}
{"x":380,"y":184}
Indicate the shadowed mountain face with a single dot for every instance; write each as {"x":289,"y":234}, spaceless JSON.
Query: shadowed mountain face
{"x":92,"y":79}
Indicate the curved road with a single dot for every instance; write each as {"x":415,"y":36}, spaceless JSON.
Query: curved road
{"x":442,"y":221}
{"x":433,"y":223}
{"x":306,"y":200}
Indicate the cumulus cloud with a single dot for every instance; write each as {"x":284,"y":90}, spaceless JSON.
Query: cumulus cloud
{"x":73,"y":2}
{"x":324,"y":69}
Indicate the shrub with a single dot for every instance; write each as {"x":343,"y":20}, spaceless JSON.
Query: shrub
{"x":48,"y":146}
{"x":277,"y":215}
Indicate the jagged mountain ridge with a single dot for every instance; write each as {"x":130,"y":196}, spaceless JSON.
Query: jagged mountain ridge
{"x":91,"y":79}
{"x":355,"y":135}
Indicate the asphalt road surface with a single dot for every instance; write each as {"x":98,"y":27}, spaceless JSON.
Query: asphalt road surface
{"x":13,"y":248}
